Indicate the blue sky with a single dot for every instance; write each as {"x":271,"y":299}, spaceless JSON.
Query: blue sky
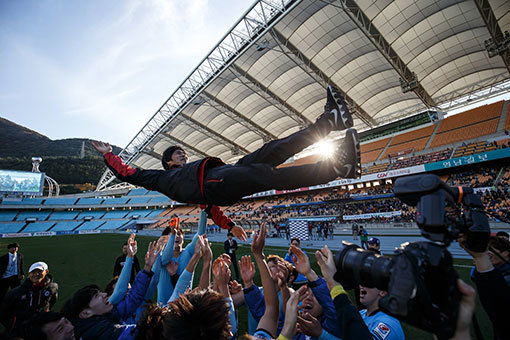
{"x":100,"y":69}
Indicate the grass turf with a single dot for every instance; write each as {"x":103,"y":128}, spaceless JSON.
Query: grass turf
{"x":78,"y":260}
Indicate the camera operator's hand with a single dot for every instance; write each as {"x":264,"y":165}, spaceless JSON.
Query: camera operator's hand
{"x":466,"y":309}
{"x":326,"y":262}
{"x":482,"y":260}
{"x":309,"y":325}
{"x":303,"y":264}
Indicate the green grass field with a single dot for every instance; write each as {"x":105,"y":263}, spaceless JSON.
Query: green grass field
{"x":78,"y":260}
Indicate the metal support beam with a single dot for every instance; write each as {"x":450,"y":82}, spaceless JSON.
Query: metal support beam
{"x":352,"y":10}
{"x":237,"y":116}
{"x":316,"y":73}
{"x":492,"y":25}
{"x":210,"y":132}
{"x":271,"y":97}
{"x":197,"y":152}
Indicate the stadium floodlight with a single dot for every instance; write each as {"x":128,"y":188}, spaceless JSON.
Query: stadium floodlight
{"x":495,"y":48}
{"x":409,"y":85}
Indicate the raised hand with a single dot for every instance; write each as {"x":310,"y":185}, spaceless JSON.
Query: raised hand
{"x":150,"y":256}
{"x":172,"y":267}
{"x":301,"y":261}
{"x":239,"y":233}
{"x":101,"y":147}
{"x":259,"y":241}
{"x":291,"y":308}
{"x":221,"y":277}
{"x":206,"y":250}
{"x":247,"y":269}
{"x":282,"y":276}
{"x":309,"y":325}
{"x":132,"y":247}
{"x":199,"y":246}
{"x":326,"y":263}
{"x":234,"y":287}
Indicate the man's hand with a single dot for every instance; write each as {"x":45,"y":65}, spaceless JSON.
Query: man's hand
{"x":150,"y":256}
{"x":302,"y":264}
{"x":291,"y":308}
{"x":132,"y":247}
{"x":259,"y":241}
{"x":172,"y":267}
{"x":206,"y":250}
{"x":239,"y":233}
{"x":326,"y":262}
{"x":234,"y":287}
{"x":247,"y":269}
{"x":199,"y":245}
{"x":309,"y":325}
{"x":221,"y":277}
{"x":101,"y":147}
{"x":282,"y":276}
{"x":482,"y":260}
{"x":466,"y":309}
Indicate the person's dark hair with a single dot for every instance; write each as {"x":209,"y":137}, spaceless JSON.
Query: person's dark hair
{"x":200,"y":314}
{"x":230,"y":234}
{"x":166,"y":231}
{"x":295,"y":239}
{"x":124,"y":244}
{"x":79,"y":301}
{"x":502,"y":234}
{"x":31,"y":329}
{"x":167,"y":155}
{"x":12,"y":245}
{"x":499,"y":243}
{"x":278,"y":259}
{"x":110,"y":286}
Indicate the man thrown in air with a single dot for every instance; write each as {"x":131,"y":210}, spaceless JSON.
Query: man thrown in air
{"x":211,"y":182}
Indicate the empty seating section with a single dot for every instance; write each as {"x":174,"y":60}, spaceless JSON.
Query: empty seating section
{"x":66,"y":225}
{"x":96,"y":214}
{"x":11,"y":227}
{"x":506,"y":126}
{"x":89,"y":201}
{"x":38,"y":226}
{"x":110,"y":225}
{"x":139,"y":212}
{"x":152,"y":193}
{"x":473,"y":148}
{"x":155,"y":213}
{"x":139,"y":200}
{"x":414,"y":140}
{"x":63,"y":215}
{"x":39,"y":215}
{"x":159,"y":199}
{"x":467,"y":132}
{"x":60,"y":201}
{"x":8,"y":215}
{"x":137,"y":192}
{"x":24,"y":201}
{"x":90,"y":225}
{"x":371,"y":151}
{"x":115,"y":200}
{"x":116,"y":214}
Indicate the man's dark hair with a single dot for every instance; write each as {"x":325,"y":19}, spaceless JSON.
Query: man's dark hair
{"x":79,"y":301}
{"x":230,"y":234}
{"x":278,"y":259}
{"x":167,"y":155}
{"x":12,"y":245}
{"x":200,"y":314}
{"x":499,"y":243}
{"x":124,"y":244}
{"x":502,"y":234}
{"x":32,"y":328}
{"x":166,"y":231}
{"x":295,"y":239}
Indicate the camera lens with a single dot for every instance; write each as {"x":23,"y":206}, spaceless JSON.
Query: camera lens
{"x":356,"y":266}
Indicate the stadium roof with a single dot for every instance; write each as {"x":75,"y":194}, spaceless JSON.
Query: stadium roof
{"x":266,"y":78}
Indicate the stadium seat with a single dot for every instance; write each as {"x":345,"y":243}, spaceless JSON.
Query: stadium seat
{"x":38,"y":226}
{"x":13,"y":227}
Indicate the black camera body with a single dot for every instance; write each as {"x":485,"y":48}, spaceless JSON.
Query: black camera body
{"x":419,"y":278}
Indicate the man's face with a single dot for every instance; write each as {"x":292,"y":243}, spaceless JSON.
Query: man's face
{"x":495,"y":259}
{"x":99,"y":304}
{"x":124,"y":249}
{"x":368,"y":296}
{"x":312,"y":306}
{"x":295,"y":243}
{"x":59,"y":330}
{"x":179,"y":158}
{"x":37,"y":275}
{"x":374,"y":246}
{"x":179,"y":240}
{"x":12,"y":250}
{"x":230,"y":237}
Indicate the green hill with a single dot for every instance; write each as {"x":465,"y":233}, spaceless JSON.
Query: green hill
{"x":61,"y":158}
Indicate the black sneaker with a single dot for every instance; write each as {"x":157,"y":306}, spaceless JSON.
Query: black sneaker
{"x":335,"y":110}
{"x":348,"y":156}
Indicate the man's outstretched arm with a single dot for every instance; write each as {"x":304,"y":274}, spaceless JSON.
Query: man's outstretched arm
{"x":216,"y":214}
{"x":147,"y":178}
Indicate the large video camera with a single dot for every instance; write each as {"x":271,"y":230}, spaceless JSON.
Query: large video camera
{"x":419,"y":278}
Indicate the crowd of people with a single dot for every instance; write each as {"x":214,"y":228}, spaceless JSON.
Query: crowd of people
{"x":294,"y":301}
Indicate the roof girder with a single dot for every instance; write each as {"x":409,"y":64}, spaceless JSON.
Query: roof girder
{"x":271,"y":97}
{"x":492,"y":25}
{"x":238,"y":117}
{"x":186,"y":145}
{"x":313,"y":71}
{"x":372,"y":33}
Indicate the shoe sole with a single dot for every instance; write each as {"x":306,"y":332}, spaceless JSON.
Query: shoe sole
{"x":354,"y":172}
{"x":345,"y":115}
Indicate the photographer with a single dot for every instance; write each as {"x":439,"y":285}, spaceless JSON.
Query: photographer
{"x":494,"y":291}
